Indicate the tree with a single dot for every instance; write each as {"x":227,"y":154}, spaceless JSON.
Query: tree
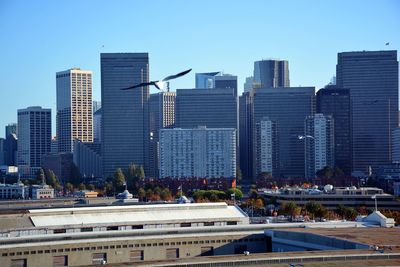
{"x":41,"y":178}
{"x":311,"y":207}
{"x":237,"y":192}
{"x":81,"y":186}
{"x":141,"y":194}
{"x":69,"y":187}
{"x":290,"y":209}
{"x":321,"y":211}
{"x":109,"y":189}
{"x":140,"y":173}
{"x":149,"y":194}
{"x":326,"y":172}
{"x":119,"y":180}
{"x":166,"y":194}
{"x":238,"y":175}
{"x":264,"y":176}
{"x":350,"y":214}
{"x":341,"y":211}
{"x":90,"y":187}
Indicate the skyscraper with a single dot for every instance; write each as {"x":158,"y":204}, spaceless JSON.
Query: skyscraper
{"x":96,"y":105}
{"x":34,"y":138}
{"x":245,"y":134}
{"x":396,"y":146}
{"x":319,"y":143}
{"x":248,"y":85}
{"x":288,"y":108}
{"x":214,"y":108}
{"x":162,"y":116}
{"x":11,"y":128}
{"x":74,"y":108}
{"x":271,"y":73}
{"x":125,"y":132}
{"x":335,"y":102}
{"x":97,"y":125}
{"x":372,"y":78}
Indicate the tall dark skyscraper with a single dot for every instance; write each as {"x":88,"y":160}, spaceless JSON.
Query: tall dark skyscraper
{"x":213,"y":108}
{"x":271,"y":73}
{"x":334,"y":101}
{"x":372,"y":78}
{"x":288,"y":108}
{"x":125,"y":126}
{"x":245,"y":132}
{"x":11,"y":128}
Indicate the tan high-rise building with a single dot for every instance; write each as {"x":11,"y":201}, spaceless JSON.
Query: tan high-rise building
{"x":74,"y":108}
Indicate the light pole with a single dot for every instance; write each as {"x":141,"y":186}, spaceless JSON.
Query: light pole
{"x":376,"y":202}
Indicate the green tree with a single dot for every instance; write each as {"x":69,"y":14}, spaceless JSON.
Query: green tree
{"x":290,"y":209}
{"x":141,"y":194}
{"x":350,"y":214}
{"x":119,"y":180}
{"x":326,"y":172}
{"x":41,"y":178}
{"x":109,"y":189}
{"x":237,"y":192}
{"x":69,"y":187}
{"x":341,"y":211}
{"x":166,"y":194}
{"x":81,"y":186}
{"x":311,"y":207}
{"x":238,"y":175}
{"x":140,"y":173}
{"x":321,"y":211}
{"x":149,"y":194}
{"x":90,"y":187}
{"x":132,"y":178}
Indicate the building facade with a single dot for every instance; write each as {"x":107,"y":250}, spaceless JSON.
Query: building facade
{"x":87,"y":157}
{"x":267,"y":147}
{"x":396,"y":146}
{"x":334,"y":101}
{"x":97,"y":125}
{"x":14,"y":191}
{"x":271,"y":73}
{"x":372,"y":78}
{"x":34,"y":130}
{"x":162,"y":116}
{"x":60,"y":164}
{"x":198,"y":152}
{"x":96,"y":105}
{"x":74,"y":108}
{"x":319,"y":143}
{"x":245,"y":134}
{"x":288,"y":107}
{"x":125,"y":126}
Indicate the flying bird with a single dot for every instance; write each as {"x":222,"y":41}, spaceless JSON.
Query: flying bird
{"x":159,"y":84}
{"x":387,"y":44}
{"x":301,"y":137}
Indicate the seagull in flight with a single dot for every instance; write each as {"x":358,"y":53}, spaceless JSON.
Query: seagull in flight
{"x":159,"y":84}
{"x":301,"y":137}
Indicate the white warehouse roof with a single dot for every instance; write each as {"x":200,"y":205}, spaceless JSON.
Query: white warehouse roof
{"x":140,"y":214}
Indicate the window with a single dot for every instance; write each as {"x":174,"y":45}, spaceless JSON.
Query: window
{"x":60,"y":260}
{"x":112,"y":228}
{"x":136,"y":255}
{"x":137,"y":226}
{"x":59,"y":231}
{"x":231,"y":223}
{"x":87,"y":229}
{"x":18,"y":263}
{"x":186,"y":224}
{"x":209,"y":224}
{"x":172,"y":253}
{"x":99,"y":258}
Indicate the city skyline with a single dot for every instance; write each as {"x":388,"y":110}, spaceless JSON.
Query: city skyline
{"x":43,"y":48}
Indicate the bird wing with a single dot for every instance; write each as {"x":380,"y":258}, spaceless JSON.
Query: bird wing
{"x":176,"y":75}
{"x":139,"y":85}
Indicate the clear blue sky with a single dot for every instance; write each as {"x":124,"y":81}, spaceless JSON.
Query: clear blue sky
{"x":39,"y":38}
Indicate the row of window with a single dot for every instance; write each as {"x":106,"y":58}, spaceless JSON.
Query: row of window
{"x":159,"y":244}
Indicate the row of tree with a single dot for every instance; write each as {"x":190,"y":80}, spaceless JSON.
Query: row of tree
{"x":216,"y":195}
{"x":316,"y":210}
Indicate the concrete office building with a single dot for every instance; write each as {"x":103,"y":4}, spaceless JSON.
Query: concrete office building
{"x":319,"y":143}
{"x":97,"y":125}
{"x":162,"y":116}
{"x":125,"y":126}
{"x":266,"y":147}
{"x":396,"y":146}
{"x":372,"y":78}
{"x":74,"y":108}
{"x":198,"y":152}
{"x":271,"y":73}
{"x":34,"y":130}
{"x":216,"y":80}
{"x":334,"y":101}
{"x":288,"y":107}
{"x":11,"y":128}
{"x":87,"y":157}
{"x":14,"y":191}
